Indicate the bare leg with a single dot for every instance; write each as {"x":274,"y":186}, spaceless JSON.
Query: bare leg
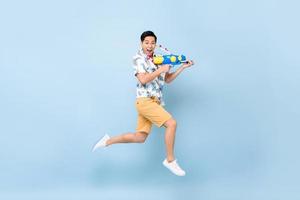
{"x":138,"y":137}
{"x":170,"y":138}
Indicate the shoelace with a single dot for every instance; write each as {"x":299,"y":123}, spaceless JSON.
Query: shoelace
{"x":175,"y":164}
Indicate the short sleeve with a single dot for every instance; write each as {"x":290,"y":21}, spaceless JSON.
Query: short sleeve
{"x":139,"y":66}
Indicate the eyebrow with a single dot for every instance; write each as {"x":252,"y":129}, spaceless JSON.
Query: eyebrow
{"x":149,"y":41}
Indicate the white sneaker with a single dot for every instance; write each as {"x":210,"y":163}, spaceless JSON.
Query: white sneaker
{"x":101,"y":142}
{"x":174,"y":167}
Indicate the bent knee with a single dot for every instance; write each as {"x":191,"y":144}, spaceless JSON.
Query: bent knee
{"x":171,"y":123}
{"x":140,"y":138}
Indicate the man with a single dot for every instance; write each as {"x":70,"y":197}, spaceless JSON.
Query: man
{"x":149,"y":102}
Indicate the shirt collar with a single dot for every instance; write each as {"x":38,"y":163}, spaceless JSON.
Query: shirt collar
{"x":145,"y":55}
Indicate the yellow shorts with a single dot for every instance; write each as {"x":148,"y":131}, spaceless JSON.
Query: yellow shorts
{"x":150,"y":112}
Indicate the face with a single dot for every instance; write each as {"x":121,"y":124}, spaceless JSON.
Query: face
{"x":148,"y":45}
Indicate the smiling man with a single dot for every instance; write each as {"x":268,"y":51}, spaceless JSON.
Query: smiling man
{"x":149,"y":102}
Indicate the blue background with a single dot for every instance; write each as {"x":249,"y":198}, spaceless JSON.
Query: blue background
{"x":66,"y":78}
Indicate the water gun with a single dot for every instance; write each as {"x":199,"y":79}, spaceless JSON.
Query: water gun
{"x":170,"y":58}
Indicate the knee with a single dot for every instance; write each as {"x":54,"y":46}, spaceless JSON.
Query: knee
{"x":171,"y":123}
{"x":140,"y":139}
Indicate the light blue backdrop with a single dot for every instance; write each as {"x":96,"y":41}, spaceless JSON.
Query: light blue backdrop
{"x":66,"y":79}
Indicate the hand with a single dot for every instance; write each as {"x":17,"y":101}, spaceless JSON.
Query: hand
{"x":187,"y":64}
{"x":165,"y":68}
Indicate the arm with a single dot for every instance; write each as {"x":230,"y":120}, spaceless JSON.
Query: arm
{"x":171,"y":76}
{"x":148,"y":77}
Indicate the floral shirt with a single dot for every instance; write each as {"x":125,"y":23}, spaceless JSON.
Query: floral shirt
{"x":142,"y":64}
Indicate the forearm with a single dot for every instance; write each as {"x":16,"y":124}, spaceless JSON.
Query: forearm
{"x":148,"y":77}
{"x":173,"y":75}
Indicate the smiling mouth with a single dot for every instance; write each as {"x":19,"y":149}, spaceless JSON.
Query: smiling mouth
{"x":149,"y":50}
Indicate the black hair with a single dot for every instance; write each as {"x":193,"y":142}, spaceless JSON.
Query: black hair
{"x":146,"y":34}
